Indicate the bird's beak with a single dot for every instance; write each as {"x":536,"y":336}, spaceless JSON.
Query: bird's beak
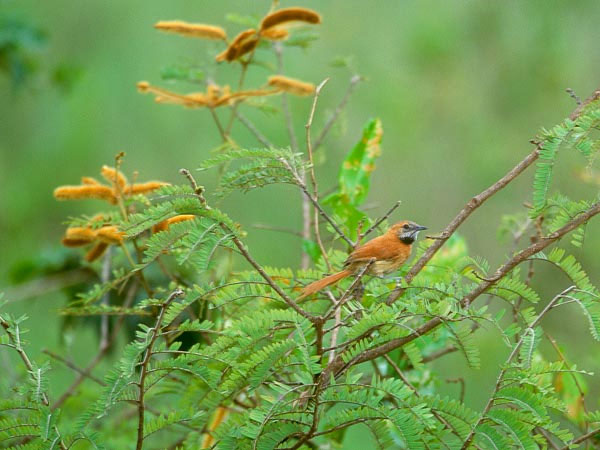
{"x":420,"y":227}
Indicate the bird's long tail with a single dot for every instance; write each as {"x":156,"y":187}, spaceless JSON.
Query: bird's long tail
{"x":316,"y":286}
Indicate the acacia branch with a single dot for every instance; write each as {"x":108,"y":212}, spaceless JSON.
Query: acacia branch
{"x":313,"y":178}
{"x":242,"y":248}
{"x":300,"y":182}
{"x":144,"y":366}
{"x":250,"y":126}
{"x":338,"y":365}
{"x":464,"y":213}
{"x":478,"y":200}
{"x":505,"y":367}
{"x":338,"y":110}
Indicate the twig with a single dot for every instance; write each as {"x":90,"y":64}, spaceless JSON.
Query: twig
{"x":378,"y":221}
{"x":582,"y":438}
{"x":15,"y":340}
{"x":313,"y":178}
{"x":351,"y":288}
{"x":461,"y":381}
{"x":101,"y":352}
{"x":506,"y":367}
{"x":262,"y":226}
{"x":338,"y":365}
{"x":144,"y":365}
{"x":464,"y":213}
{"x":338,"y":110}
{"x":72,"y":366}
{"x":242,"y":248}
{"x":257,"y":134}
{"x":405,"y":380}
{"x":305,"y":260}
{"x":478,"y":200}
{"x":573,"y":95}
{"x":334,"y":333}
{"x":317,"y":205}
{"x":287,"y":299}
{"x":50,"y":283}
{"x":104,"y":277}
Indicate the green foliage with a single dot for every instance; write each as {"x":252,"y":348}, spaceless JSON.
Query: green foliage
{"x":218,"y":357}
{"x":573,"y":133}
{"x":354,"y":177}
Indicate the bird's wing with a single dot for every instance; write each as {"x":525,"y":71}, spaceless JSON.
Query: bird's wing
{"x":382,"y":248}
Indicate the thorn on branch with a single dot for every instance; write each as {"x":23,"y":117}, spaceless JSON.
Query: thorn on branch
{"x":574,"y":96}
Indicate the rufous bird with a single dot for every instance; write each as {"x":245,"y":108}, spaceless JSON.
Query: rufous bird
{"x":390,"y":251}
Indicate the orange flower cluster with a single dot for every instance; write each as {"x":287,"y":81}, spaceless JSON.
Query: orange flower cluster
{"x":272,"y":27}
{"x":162,"y":226}
{"x":214,"y":96}
{"x":100,"y":232}
{"x":92,"y":188}
{"x":101,"y":237}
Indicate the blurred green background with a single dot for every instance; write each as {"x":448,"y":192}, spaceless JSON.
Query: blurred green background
{"x":461,"y":87}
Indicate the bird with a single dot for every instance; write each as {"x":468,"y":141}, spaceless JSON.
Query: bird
{"x":388,"y":252}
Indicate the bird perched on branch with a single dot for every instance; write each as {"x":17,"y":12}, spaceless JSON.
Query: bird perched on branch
{"x":387,"y":253}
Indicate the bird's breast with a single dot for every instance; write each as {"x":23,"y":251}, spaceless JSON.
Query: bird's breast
{"x":385,"y":266}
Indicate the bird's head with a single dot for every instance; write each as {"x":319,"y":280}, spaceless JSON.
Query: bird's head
{"x":407,"y":231}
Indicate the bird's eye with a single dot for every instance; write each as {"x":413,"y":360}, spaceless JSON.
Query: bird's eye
{"x":405,"y":226}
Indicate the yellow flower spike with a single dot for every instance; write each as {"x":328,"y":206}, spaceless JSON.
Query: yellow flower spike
{"x":89,"y":181}
{"x":110,"y":235}
{"x":243,"y":43}
{"x":98,"y":192}
{"x":192,"y":29}
{"x":162,"y":226}
{"x":114,"y":176}
{"x":275,"y":34}
{"x":164,"y":96}
{"x":80,"y":233}
{"x":96,"y":251}
{"x":290,"y":15}
{"x":142,"y":188}
{"x":72,"y":242}
{"x":291,"y":85}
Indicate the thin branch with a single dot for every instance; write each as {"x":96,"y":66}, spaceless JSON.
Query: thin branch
{"x":313,"y":178}
{"x":464,"y":213}
{"x":506,"y":365}
{"x":477,"y":201}
{"x":289,"y":123}
{"x":405,"y":380}
{"x":461,"y":381}
{"x":104,"y":278}
{"x":252,"y":128}
{"x":347,"y":292}
{"x":338,"y":110}
{"x":15,"y":340}
{"x":72,"y":366}
{"x":144,"y":365}
{"x":338,"y":365}
{"x":317,"y":205}
{"x":101,"y":352}
{"x":582,"y":438}
{"x":286,"y":298}
{"x":242,"y":248}
{"x":378,"y":221}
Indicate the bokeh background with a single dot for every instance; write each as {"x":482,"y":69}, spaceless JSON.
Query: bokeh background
{"x":461,"y":87}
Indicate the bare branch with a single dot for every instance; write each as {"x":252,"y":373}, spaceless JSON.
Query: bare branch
{"x":257,"y":134}
{"x":506,"y":365}
{"x":464,"y":213}
{"x":300,"y":182}
{"x":378,"y":221}
{"x":155,"y":332}
{"x":338,"y":365}
{"x":313,"y":178}
{"x":338,"y":110}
